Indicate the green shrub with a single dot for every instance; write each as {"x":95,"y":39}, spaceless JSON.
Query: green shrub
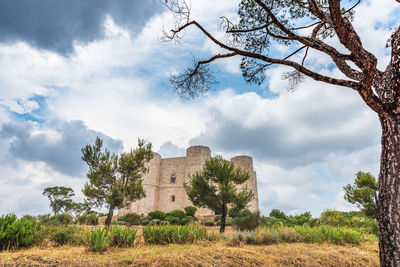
{"x":157,"y":215}
{"x":131,"y":218}
{"x":155,"y":222}
{"x":173,"y":220}
{"x":277,"y":214}
{"x":186,"y":220}
{"x":64,"y":236}
{"x":81,"y":219}
{"x":207,"y":222}
{"x":124,"y":237}
{"x":190,"y":211}
{"x":333,"y":235}
{"x":177,"y":213}
{"x":92,"y":219}
{"x":247,"y":220}
{"x":229,"y":221}
{"x":44,"y":219}
{"x":164,"y":223}
{"x":144,"y":222}
{"x":28,"y":217}
{"x":97,"y":239}
{"x":167,"y":234}
{"x":17,"y":233}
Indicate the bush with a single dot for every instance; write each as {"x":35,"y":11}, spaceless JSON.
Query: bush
{"x":177,"y":213}
{"x":97,"y":240}
{"x":92,"y":219}
{"x":187,"y":219}
{"x":131,"y":218}
{"x":247,"y":220}
{"x":81,"y":219}
{"x":144,"y":222}
{"x":207,"y":222}
{"x":17,"y":233}
{"x":155,"y":222}
{"x":190,"y":211}
{"x":167,"y":234}
{"x":64,"y":236}
{"x":157,"y":215}
{"x":59,"y":219}
{"x":44,"y":219}
{"x":122,"y":237}
{"x":28,"y":217}
{"x":277,"y":214}
{"x":173,"y":220}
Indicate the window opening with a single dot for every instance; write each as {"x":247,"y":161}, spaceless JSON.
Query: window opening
{"x":173,"y":198}
{"x":173,"y":178}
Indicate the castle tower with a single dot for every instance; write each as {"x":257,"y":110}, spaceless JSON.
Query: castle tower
{"x":246,"y":164}
{"x":151,"y":185}
{"x":196,"y":156}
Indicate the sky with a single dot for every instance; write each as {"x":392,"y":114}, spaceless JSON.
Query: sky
{"x":73,"y":70}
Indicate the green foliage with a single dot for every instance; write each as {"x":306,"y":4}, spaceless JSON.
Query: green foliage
{"x":350,"y":219}
{"x":190,"y":211}
{"x":320,"y":234}
{"x":28,"y":217}
{"x":233,"y":212}
{"x":58,"y":219}
{"x":176,"y":213}
{"x":122,"y":237}
{"x":92,"y":219}
{"x":214,"y":187}
{"x":207,"y":222}
{"x":168,"y":234}
{"x":60,"y":198}
{"x":247,"y":220}
{"x":115,"y":180}
{"x":363,"y":193}
{"x":131,"y":218}
{"x":81,"y":219}
{"x":118,"y":223}
{"x":157,"y":215}
{"x":64,"y":236}
{"x":186,"y":220}
{"x":155,"y":222}
{"x":17,"y":233}
{"x":173,"y":220}
{"x":97,"y":239}
{"x":277,"y":214}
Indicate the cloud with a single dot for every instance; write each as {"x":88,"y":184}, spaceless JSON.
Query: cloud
{"x":57,"y":143}
{"x":169,"y":150}
{"x":56,"y":24}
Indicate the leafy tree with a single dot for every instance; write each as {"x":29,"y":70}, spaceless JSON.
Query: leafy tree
{"x":305,"y":25}
{"x":60,"y":198}
{"x":215,"y":187}
{"x":363,"y":193}
{"x":278,"y":214}
{"x":115,"y":180}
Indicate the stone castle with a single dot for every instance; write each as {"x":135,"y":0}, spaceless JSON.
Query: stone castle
{"x":164,"y":182}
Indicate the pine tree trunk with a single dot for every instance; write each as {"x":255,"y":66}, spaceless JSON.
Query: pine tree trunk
{"x":110,"y":215}
{"x":389,"y":193}
{"x":223,"y":218}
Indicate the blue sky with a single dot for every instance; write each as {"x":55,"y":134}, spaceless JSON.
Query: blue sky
{"x":70,"y":72}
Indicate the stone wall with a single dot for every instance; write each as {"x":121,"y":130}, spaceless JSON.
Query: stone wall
{"x":166,"y":194}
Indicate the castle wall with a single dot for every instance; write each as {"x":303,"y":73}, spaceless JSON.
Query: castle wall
{"x":165,"y":195}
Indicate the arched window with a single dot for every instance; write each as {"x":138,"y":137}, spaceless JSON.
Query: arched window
{"x":173,"y":178}
{"x":173,"y":198}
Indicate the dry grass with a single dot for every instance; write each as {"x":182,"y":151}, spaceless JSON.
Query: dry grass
{"x":201,"y":254}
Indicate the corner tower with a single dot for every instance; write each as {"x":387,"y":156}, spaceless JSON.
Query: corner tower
{"x":246,"y":164}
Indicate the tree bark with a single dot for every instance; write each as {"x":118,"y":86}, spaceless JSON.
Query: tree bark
{"x":223,"y":218}
{"x":389,"y":193}
{"x":110,"y":215}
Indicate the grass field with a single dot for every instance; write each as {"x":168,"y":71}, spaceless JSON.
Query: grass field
{"x":200,"y":254}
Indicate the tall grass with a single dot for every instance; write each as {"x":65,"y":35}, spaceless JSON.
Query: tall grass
{"x":122,"y":237}
{"x":320,"y":234}
{"x":167,"y":234}
{"x":97,"y":239}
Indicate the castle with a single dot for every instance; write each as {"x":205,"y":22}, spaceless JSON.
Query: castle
{"x":164,"y":182}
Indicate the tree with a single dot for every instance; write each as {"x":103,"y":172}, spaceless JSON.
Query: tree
{"x":278,"y":214}
{"x":115,"y":180}
{"x":214,"y":187}
{"x":60,"y":198}
{"x":363,"y":193}
{"x":305,"y":25}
